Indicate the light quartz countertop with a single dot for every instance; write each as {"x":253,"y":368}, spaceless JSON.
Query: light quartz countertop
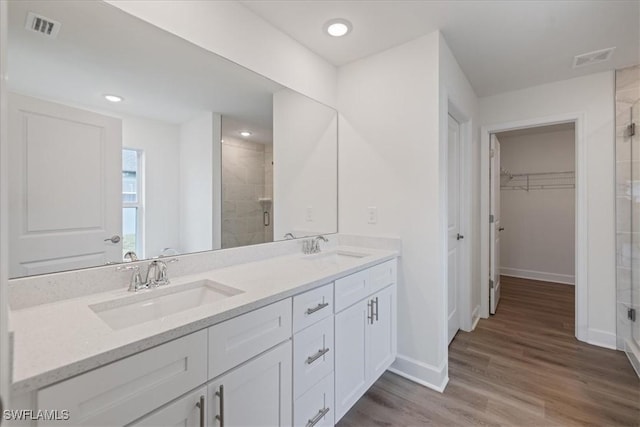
{"x":58,"y":340}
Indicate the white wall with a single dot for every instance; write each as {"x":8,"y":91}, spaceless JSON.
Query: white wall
{"x":304,"y":166}
{"x":234,"y":32}
{"x":161,"y":171}
{"x":199,"y":177}
{"x":539,"y":237}
{"x":459,"y":99}
{"x":390,"y":158}
{"x":593,"y":96}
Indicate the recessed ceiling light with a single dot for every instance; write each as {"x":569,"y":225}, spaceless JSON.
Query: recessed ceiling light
{"x":338,"y":27}
{"x":245,"y":133}
{"x":113,"y":98}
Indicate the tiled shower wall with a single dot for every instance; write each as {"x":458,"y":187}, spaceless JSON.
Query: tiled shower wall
{"x":247,"y":175}
{"x":627,"y":203}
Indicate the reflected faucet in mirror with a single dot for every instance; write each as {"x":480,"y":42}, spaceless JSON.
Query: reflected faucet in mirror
{"x":130,"y":256}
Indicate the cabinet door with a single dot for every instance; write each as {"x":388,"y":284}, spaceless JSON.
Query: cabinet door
{"x":257,"y":393}
{"x":381,"y":343}
{"x":188,"y":411}
{"x":351,"y":358}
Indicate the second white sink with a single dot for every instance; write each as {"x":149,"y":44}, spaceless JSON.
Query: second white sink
{"x":159,"y":303}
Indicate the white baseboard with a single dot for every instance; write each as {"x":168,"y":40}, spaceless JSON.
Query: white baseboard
{"x":538,"y":275}
{"x":433,"y":377}
{"x":633,"y":353}
{"x":475,"y":317}
{"x":602,"y":338}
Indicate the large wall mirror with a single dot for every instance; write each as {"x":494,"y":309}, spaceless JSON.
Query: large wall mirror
{"x":196,"y":153}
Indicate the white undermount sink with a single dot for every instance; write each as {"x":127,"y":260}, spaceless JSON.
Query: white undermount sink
{"x":156,"y":304}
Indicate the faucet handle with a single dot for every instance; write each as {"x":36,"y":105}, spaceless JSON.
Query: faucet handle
{"x":135,"y":283}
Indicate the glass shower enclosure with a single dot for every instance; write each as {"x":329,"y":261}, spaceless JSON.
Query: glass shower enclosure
{"x":628,"y":230}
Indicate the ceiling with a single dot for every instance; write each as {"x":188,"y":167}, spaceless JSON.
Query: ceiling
{"x":103,"y":50}
{"x":500,"y":45}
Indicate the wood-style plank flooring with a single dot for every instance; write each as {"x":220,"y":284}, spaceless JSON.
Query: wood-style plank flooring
{"x":521,"y":367}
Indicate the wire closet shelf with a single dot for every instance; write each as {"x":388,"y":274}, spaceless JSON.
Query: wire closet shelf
{"x":537,"y":181}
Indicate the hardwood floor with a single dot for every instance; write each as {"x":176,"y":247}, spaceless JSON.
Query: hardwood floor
{"x":521,"y":367}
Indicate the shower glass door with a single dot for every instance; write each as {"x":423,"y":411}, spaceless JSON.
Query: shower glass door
{"x":634,"y":289}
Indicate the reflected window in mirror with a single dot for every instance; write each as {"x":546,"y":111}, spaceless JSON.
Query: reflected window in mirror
{"x":132,"y":202}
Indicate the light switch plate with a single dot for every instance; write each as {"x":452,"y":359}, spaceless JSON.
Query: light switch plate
{"x":372,"y":215}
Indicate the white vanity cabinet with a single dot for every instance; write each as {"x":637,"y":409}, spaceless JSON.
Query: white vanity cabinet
{"x":365,"y":334}
{"x":300,"y":361}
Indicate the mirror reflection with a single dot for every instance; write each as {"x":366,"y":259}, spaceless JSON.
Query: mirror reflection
{"x":127,"y":142}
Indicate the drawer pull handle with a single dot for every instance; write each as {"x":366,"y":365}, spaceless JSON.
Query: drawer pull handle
{"x":376,"y":305}
{"x":317,"y":356}
{"x":317,"y":308}
{"x":200,"y":405}
{"x":313,"y":421}
{"x":220,"y":394}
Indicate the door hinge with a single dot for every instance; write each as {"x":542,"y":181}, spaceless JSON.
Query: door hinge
{"x":632,"y":129}
{"x":490,"y":284}
{"x":631,"y":314}
{"x":491,"y":219}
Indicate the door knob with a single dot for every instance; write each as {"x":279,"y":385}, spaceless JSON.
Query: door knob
{"x":113,"y":239}
{"x":459,"y":237}
{"x":501,"y":229}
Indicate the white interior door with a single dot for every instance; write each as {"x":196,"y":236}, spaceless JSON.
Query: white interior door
{"x":453,"y":226}
{"x":494,"y":252}
{"x":65,"y":180}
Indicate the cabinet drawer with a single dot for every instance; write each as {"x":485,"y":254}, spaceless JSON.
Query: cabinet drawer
{"x":310,"y":407}
{"x":312,"y":355}
{"x":312,"y":306}
{"x":382,"y":275}
{"x":351,"y":289}
{"x":243,"y":337}
{"x":123,"y":391}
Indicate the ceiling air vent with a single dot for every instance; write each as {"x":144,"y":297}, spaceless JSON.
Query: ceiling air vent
{"x":593,"y":57}
{"x":40,"y":24}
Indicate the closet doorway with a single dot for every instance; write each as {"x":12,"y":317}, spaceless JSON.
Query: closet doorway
{"x":532,"y":202}
{"x":532,"y":206}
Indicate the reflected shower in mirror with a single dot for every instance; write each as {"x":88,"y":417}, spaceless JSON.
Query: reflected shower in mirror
{"x":126,"y":141}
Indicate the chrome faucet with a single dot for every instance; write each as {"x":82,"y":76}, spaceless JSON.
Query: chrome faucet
{"x":289,"y":236}
{"x":157,"y":274}
{"x":312,"y":246}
